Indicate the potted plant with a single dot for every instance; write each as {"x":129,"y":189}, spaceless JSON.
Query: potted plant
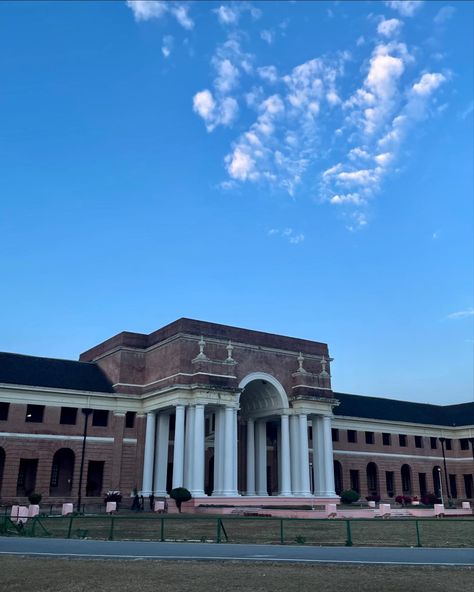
{"x":415,"y":501}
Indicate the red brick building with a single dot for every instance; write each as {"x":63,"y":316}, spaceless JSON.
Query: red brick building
{"x":224,"y":412}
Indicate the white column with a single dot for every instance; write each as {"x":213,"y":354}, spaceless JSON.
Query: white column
{"x":295,"y":456}
{"x":261,"y":476}
{"x":285,"y":456}
{"x":189,"y":449}
{"x":235,"y":463}
{"x":147,"y":481}
{"x":304,"y":453}
{"x":161,"y":455}
{"x":318,"y":457}
{"x":219,"y":452}
{"x":198,"y":453}
{"x":328,"y":457}
{"x":229,"y":452}
{"x":250,"y":457}
{"x":178,"y":452}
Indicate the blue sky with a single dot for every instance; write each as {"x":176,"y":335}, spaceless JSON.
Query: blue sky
{"x":293,"y":167}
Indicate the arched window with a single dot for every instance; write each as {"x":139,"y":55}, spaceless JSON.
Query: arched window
{"x":372,"y":479}
{"x":62,"y":471}
{"x":406,"y":479}
{"x":338,"y":477}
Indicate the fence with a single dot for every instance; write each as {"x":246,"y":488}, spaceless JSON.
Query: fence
{"x":258,"y":530}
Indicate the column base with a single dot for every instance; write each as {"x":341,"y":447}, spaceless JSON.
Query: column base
{"x":160,"y":494}
{"x":326,"y":494}
{"x":197,"y":493}
{"x":230,"y":494}
{"x":285,"y":494}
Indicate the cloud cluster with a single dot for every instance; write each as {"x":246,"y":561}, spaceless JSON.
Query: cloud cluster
{"x":293,"y":237}
{"x":461,"y":314}
{"x":145,"y":10}
{"x":405,"y":7}
{"x":230,"y":13}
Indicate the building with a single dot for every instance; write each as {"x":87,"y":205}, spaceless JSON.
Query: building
{"x":223,"y":411}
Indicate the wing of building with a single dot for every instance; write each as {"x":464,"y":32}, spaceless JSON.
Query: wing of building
{"x":223,"y":411}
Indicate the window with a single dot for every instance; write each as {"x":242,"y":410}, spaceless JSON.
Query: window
{"x":4,"y":407}
{"x":354,"y":477}
{"x":386,"y":439}
{"x":34,"y":413}
{"x":463,"y":442}
{"x":130,"y":419}
{"x":369,"y":437}
{"x":453,"y":486}
{"x":422,"y":482}
{"x":351,"y":436}
{"x":449,"y":444}
{"x":402,"y":439}
{"x":68,"y":415}
{"x":434,"y":443}
{"x":335,"y":434}
{"x":468,"y":485}
{"x":26,"y":480}
{"x":390,"y":482}
{"x":418,"y":442}
{"x":100,"y":418}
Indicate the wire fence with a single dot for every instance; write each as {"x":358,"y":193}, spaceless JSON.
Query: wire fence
{"x":446,"y":532}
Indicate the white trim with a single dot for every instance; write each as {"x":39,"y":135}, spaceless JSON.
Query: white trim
{"x":268,"y":378}
{"x":409,"y":428}
{"x":63,"y":437}
{"x":173,"y":376}
{"x":395,"y":455}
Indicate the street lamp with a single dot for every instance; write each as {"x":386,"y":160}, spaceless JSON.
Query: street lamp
{"x":440,"y":485}
{"x":443,"y":440}
{"x":86,"y":413}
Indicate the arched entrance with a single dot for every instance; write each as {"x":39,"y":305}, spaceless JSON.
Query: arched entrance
{"x":263,"y":447}
{"x":62,"y":472}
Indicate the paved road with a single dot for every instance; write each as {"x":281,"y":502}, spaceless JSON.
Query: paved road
{"x":203,"y":551}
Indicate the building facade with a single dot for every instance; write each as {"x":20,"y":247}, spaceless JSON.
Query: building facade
{"x":224,"y":412}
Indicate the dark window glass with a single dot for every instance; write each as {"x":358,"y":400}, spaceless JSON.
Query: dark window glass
{"x":100,"y":418}
{"x":34,"y":413}
{"x":453,"y":486}
{"x":351,"y":436}
{"x":434,"y":443}
{"x":390,"y":482}
{"x":369,"y":437}
{"x":468,"y":485}
{"x":68,"y":415}
{"x":310,"y":433}
{"x":386,"y":439}
{"x":130,"y":419}
{"x":422,"y":481}
{"x":354,"y":477}
{"x":448,"y":444}
{"x":402,"y":439}
{"x":335,"y":434}
{"x":418,"y":442}
{"x":26,"y":480}
{"x":463,"y":443}
{"x":4,"y":407}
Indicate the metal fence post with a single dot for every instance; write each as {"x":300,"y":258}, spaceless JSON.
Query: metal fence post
{"x":349,"y":534}
{"x":418,"y":539}
{"x":111,"y":532}
{"x":162,"y":530}
{"x":71,"y":520}
{"x":282,"y":536}
{"x":218,"y":536}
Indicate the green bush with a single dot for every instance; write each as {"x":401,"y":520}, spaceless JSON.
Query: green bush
{"x":35,"y":498}
{"x":180,"y":495}
{"x":349,"y":496}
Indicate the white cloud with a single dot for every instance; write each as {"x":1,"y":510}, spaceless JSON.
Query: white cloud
{"x":348,"y":198}
{"x":227,"y":15}
{"x":268,"y":36}
{"x":389,"y":28}
{"x":292,"y":236}
{"x":167,"y":45}
{"x":145,"y":10}
{"x":214,"y":113}
{"x":444,"y":14}
{"x":240,"y":164}
{"x":268,"y":73}
{"x":428,"y":83}
{"x":467,"y":111}
{"x":227,"y":75}
{"x":356,"y":153}
{"x":405,"y":7}
{"x":360,"y":41}
{"x":461,"y":314}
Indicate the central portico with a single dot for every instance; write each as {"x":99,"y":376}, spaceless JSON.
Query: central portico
{"x":231,"y":414}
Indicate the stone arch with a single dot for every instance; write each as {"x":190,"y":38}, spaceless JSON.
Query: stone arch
{"x":2,"y":467}
{"x":261,"y":392}
{"x":62,"y":471}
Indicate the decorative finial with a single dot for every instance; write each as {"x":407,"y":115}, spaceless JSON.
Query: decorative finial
{"x":201,"y":355}
{"x":230,"y":349}
{"x":323,"y":366}
{"x":300,"y":363}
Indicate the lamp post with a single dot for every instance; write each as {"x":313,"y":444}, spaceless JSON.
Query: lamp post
{"x":86,"y":413}
{"x":440,"y":485}
{"x":443,"y":440}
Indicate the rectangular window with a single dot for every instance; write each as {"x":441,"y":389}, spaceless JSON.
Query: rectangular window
{"x":422,"y":482}
{"x":4,"y":407}
{"x":34,"y":413}
{"x":386,"y":439}
{"x":468,"y":486}
{"x":26,"y":480}
{"x":463,"y":443}
{"x":433,"y":443}
{"x":352,"y":436}
{"x":449,"y":444}
{"x":354,"y":477}
{"x":68,"y":415}
{"x":95,"y":477}
{"x":453,"y":486}
{"x":418,"y":442}
{"x":390,"y":482}
{"x":130,"y":419}
{"x":402,"y":439}
{"x":369,"y":437}
{"x":335,"y":434}
{"x":100,"y":418}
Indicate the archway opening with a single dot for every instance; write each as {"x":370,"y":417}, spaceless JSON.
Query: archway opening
{"x":62,"y":471}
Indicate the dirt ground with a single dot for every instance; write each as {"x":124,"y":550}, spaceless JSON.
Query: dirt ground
{"x":23,"y":574}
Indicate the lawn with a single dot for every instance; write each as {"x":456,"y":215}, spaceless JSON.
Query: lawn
{"x":20,"y":574}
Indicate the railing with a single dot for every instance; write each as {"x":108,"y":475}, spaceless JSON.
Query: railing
{"x":446,"y":532}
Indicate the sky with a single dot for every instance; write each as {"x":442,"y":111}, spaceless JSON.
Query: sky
{"x":301,"y":168}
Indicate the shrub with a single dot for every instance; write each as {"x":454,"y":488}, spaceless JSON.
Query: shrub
{"x":406,"y":500}
{"x":349,"y":496}
{"x":373,"y":498}
{"x":34,"y":498}
{"x":180,"y":495}
{"x":399,"y":499}
{"x":429,"y":499}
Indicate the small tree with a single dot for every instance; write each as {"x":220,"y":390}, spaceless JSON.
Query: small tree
{"x":35,"y":498}
{"x":349,"y":496}
{"x":180,"y":495}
